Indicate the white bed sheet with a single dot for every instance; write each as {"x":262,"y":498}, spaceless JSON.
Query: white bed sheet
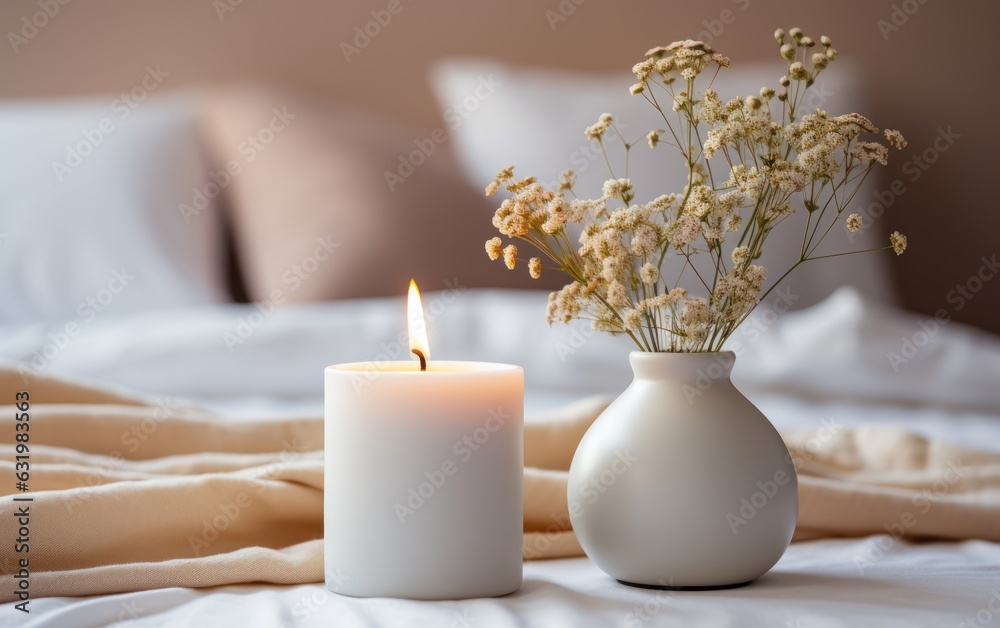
{"x":827,"y":364}
{"x":815,"y":584}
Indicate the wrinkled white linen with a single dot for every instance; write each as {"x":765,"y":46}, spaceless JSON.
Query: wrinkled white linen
{"x":824,"y":366}
{"x":814,"y":584}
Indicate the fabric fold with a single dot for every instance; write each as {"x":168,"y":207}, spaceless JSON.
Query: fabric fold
{"x":130,"y":496}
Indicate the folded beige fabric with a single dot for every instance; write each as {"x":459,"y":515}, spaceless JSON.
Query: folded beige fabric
{"x":131,"y":494}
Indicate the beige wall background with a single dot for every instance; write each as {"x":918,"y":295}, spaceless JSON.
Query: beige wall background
{"x":930,"y":65}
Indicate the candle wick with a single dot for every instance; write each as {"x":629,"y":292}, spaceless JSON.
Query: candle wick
{"x":423,"y":360}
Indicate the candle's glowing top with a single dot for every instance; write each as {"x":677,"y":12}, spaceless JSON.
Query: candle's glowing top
{"x":417,"y":327}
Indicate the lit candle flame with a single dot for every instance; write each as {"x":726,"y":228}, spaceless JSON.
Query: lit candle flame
{"x":417,"y":326}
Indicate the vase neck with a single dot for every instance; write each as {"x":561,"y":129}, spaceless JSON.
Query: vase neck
{"x":683,"y":368}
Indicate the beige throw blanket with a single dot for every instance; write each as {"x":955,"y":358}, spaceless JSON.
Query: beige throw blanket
{"x":131,"y":495}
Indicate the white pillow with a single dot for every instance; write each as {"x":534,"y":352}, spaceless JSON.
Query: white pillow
{"x":90,"y":214}
{"x":535,"y":120}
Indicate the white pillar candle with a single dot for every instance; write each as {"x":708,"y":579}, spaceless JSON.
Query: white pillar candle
{"x":424,"y":479}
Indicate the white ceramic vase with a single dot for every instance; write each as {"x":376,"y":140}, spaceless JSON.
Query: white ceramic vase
{"x":682,"y":483}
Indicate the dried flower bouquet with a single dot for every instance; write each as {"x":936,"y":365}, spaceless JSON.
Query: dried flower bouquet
{"x":751,"y":162}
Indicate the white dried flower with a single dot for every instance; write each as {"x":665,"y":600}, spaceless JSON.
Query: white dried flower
{"x":710,"y":110}
{"x":696,"y":318}
{"x":854,"y":223}
{"x":617,"y":295}
{"x":870,"y":151}
{"x":567,"y":180}
{"x":649,"y":274}
{"x":850,"y":125}
{"x":566,"y":304}
{"x":632,"y":319}
{"x":777,"y":158}
{"x":555,"y":215}
{"x":612,"y":267}
{"x":493,"y":246}
{"x":643,"y":69}
{"x":510,"y":256}
{"x":898,"y":242}
{"x":734,"y":223}
{"x":895,"y":139}
{"x":685,"y":231}
{"x":645,"y":240}
{"x":597,"y":130}
{"x":662,"y":203}
{"x":675,"y":296}
{"x":502,"y":177}
{"x":617,"y":188}
{"x":680,"y":101}
{"x":535,"y":267}
{"x":740,"y":257}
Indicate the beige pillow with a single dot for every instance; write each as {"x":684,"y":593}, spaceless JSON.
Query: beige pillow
{"x":315,"y":216}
